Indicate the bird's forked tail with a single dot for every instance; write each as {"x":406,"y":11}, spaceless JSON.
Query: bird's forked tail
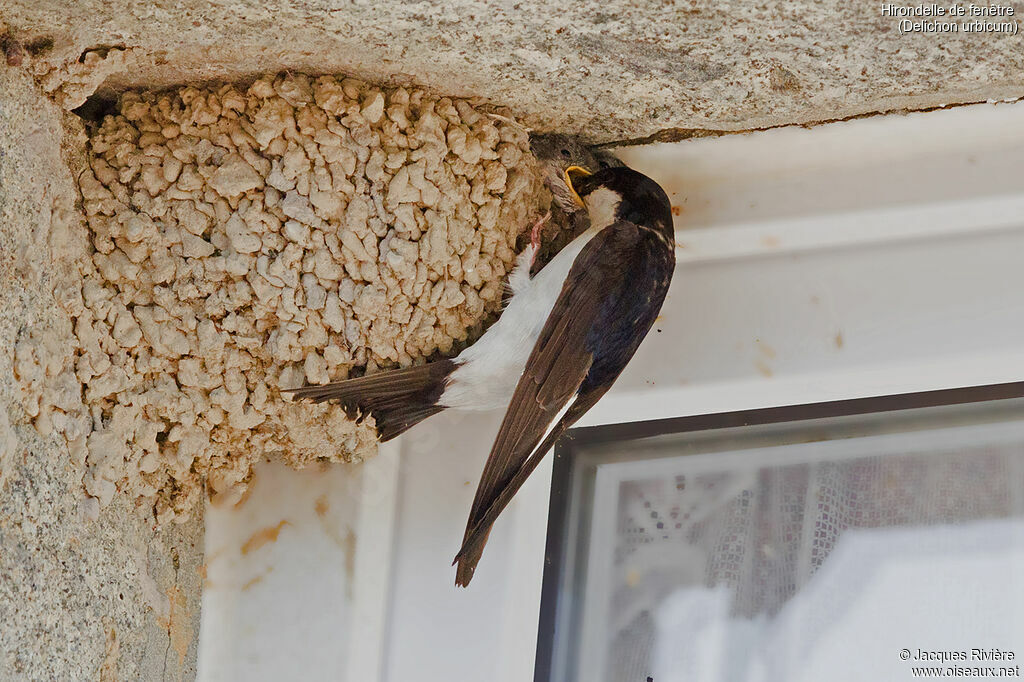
{"x":398,"y":399}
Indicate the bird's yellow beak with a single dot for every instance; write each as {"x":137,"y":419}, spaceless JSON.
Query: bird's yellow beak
{"x":568,"y":181}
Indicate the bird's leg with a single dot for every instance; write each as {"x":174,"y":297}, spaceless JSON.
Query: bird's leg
{"x":535,"y":236}
{"x":520,"y":275}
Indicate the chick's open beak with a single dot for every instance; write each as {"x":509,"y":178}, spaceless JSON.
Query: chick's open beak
{"x":568,"y":181}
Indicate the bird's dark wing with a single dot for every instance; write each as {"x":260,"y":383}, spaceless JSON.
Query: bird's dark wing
{"x":554,"y":372}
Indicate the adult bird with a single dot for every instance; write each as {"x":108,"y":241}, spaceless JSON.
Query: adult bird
{"x":598,"y":298}
{"x":564,"y":337}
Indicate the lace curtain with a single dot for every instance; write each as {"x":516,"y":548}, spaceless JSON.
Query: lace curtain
{"x":721,"y":554}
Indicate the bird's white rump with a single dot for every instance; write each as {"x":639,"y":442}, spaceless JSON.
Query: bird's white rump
{"x":490,"y":369}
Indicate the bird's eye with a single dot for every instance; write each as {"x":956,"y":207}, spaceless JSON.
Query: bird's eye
{"x":604,"y":164}
{"x":566,"y":153}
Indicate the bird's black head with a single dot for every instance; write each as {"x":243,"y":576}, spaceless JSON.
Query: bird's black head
{"x":622,"y":194}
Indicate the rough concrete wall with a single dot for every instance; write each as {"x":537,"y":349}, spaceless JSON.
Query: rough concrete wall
{"x":82,"y":595}
{"x":612,"y":70}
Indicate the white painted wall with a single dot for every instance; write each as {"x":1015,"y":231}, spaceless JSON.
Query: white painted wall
{"x":862,"y":258}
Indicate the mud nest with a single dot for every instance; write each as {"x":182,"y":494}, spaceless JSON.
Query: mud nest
{"x":249,"y":239}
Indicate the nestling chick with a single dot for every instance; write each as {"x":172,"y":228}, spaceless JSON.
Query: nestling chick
{"x":556,"y":153}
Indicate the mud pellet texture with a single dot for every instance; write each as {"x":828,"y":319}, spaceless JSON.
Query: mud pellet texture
{"x":246,"y":239}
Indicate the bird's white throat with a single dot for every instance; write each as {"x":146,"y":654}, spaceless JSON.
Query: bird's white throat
{"x":602,"y":205}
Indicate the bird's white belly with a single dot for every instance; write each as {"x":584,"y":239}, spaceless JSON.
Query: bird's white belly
{"x":490,"y":369}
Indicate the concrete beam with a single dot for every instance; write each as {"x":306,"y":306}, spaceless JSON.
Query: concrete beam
{"x":614,"y":70}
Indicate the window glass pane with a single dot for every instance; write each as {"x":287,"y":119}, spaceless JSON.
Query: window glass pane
{"x":808,"y":551}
